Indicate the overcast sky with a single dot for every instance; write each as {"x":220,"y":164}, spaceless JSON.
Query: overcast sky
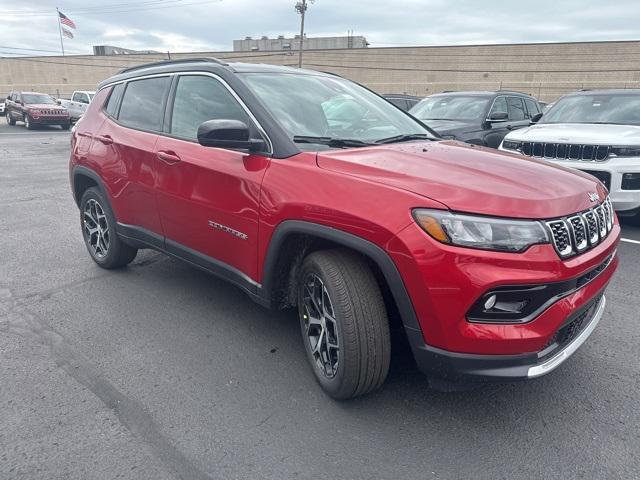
{"x":198,"y":25}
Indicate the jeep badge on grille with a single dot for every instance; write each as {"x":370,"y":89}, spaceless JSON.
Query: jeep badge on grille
{"x":593,"y":196}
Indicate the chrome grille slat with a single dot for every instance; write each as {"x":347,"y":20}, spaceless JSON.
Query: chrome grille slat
{"x":577,"y":233}
{"x":566,"y":151}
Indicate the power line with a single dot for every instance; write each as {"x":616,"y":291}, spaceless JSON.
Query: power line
{"x":109,"y":9}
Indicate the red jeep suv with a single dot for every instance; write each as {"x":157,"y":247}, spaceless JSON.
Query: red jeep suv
{"x":305,"y":189}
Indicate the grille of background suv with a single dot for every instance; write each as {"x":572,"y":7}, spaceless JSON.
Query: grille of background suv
{"x":580,"y":232}
{"x":562,"y":151}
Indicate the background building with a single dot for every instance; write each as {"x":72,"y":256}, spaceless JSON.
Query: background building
{"x":111,"y":50}
{"x":310,"y":43}
{"x":545,"y":70}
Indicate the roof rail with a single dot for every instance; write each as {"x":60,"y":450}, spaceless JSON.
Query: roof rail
{"x":512,"y":91}
{"x":173,"y":62}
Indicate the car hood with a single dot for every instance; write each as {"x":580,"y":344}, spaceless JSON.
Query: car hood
{"x":468,"y":178}
{"x":587,"y":133}
{"x":44,"y":106}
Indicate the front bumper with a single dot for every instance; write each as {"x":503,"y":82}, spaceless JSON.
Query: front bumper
{"x":470,"y":367}
{"x":49,"y":120}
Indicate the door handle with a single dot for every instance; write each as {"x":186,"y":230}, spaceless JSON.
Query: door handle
{"x":169,"y":158}
{"x":106,"y":139}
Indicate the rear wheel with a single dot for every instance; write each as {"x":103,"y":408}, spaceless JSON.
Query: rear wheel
{"x":344,"y":323}
{"x":99,"y":232}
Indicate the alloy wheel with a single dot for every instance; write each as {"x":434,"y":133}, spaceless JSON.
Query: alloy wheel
{"x":320,"y":325}
{"x":96,"y":228}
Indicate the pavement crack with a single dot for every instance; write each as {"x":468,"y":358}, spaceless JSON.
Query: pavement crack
{"x":131,"y":413}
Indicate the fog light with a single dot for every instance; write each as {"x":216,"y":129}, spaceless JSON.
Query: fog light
{"x":491,"y":301}
{"x":631,"y":181}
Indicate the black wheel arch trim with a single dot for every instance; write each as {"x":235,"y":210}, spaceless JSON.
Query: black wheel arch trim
{"x":365,"y":247}
{"x":78,"y":171}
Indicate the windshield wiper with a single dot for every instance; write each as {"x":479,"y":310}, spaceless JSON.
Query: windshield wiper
{"x":331,"y":141}
{"x":405,"y":138}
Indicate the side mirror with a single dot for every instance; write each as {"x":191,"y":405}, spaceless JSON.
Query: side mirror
{"x":536,"y":118}
{"x":229,"y":134}
{"x":498,"y":117}
{"x":58,"y":101}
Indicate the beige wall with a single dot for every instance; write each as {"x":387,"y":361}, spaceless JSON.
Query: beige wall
{"x":543,"y":70}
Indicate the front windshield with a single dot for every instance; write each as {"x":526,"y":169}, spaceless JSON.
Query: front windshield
{"x":37,"y":98}
{"x":615,"y":108}
{"x":331,"y":107}
{"x":451,"y":107}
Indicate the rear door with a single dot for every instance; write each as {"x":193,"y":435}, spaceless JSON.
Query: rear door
{"x":208,"y":198}
{"x":124,"y":148}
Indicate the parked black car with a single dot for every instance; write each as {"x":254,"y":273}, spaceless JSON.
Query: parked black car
{"x":482,"y":118}
{"x":400,"y":100}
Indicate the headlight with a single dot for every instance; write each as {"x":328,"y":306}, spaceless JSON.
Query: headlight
{"x":510,"y":145}
{"x":481,"y":232}
{"x":625,"y":151}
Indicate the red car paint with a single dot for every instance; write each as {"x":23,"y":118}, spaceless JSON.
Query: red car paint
{"x":368,"y":192}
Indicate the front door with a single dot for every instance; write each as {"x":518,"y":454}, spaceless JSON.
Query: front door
{"x":208,"y":198}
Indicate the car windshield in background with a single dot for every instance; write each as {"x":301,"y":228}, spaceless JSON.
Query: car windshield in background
{"x":449,"y":107}
{"x":38,"y":99}
{"x":620,"y":108}
{"x":331,"y":110}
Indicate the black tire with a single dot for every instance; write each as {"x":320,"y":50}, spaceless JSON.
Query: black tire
{"x":27,"y":123}
{"x":363,"y":339}
{"x":10,"y":119}
{"x":116,"y":254}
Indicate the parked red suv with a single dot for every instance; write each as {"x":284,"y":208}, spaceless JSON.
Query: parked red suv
{"x":305,"y":189}
{"x":34,"y":109}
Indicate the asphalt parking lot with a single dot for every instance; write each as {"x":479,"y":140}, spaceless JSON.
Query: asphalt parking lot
{"x":160,"y":371}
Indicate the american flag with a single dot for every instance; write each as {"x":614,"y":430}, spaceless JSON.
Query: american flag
{"x":66,"y":21}
{"x":67,"y":33}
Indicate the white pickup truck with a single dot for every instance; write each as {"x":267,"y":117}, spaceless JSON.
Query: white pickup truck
{"x":78,"y":104}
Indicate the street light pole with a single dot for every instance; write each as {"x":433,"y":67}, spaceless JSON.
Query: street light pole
{"x":301,"y":8}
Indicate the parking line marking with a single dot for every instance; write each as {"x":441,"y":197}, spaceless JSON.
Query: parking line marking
{"x":628,"y":240}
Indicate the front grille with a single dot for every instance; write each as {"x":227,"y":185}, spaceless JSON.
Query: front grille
{"x":563,"y":151}
{"x":577,"y":233}
{"x":575,"y":325}
{"x":49,"y":112}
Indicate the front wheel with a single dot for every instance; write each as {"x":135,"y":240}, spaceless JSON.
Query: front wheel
{"x":99,"y":231}
{"x":344,"y":323}
{"x":27,"y":122}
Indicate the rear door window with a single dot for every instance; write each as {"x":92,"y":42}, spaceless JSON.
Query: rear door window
{"x":516,"y":109}
{"x":143,"y":103}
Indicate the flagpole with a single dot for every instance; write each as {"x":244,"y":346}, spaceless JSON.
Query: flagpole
{"x":60,"y":31}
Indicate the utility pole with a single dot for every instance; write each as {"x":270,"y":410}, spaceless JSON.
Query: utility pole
{"x":60,"y":30}
{"x":301,"y":8}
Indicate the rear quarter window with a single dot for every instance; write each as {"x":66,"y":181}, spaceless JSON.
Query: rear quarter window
{"x":143,"y":103}
{"x":114,"y":100}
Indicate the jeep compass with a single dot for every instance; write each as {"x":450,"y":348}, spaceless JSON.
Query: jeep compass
{"x":307,"y":190}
